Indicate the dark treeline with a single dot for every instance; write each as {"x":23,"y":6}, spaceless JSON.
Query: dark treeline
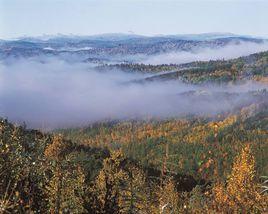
{"x":254,"y":67}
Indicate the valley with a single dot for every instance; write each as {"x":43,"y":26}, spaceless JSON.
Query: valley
{"x":89,"y":125}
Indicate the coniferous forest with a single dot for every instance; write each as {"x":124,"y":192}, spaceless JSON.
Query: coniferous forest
{"x":188,"y":164}
{"x":133,"y":107}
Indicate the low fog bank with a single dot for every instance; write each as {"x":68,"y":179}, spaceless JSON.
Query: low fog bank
{"x":204,"y":54}
{"x":56,"y":94}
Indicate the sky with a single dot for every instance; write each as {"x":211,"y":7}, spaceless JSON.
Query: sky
{"x":146,"y":17}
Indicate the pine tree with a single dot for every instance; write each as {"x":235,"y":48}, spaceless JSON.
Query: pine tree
{"x":135,"y":196}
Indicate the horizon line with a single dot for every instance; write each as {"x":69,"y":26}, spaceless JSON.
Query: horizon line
{"x":230,"y":34}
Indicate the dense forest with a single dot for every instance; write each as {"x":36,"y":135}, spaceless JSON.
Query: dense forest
{"x":192,"y":164}
{"x":202,"y":72}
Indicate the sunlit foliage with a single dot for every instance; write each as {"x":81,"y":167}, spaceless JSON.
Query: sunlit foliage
{"x":242,"y":193}
{"x":187,"y":165}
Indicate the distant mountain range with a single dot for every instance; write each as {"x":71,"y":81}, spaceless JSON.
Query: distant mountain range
{"x":123,"y":36}
{"x":116,"y":47}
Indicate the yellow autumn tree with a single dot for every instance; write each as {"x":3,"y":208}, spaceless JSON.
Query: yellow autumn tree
{"x":168,"y":197}
{"x":65,"y":188}
{"x":65,"y":191}
{"x":55,"y":150}
{"x":135,"y":193}
{"x":105,"y":193}
{"x":242,"y":192}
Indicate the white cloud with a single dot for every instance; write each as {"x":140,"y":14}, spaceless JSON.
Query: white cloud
{"x":204,"y":54}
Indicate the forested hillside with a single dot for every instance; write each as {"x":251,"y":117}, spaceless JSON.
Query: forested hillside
{"x":192,"y":163}
{"x":254,"y":67}
{"x":188,"y":165}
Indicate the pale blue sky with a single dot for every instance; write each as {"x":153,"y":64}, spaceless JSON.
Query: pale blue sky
{"x":147,"y":17}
